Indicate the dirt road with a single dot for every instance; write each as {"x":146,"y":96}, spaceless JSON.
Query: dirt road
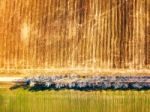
{"x":9,"y":79}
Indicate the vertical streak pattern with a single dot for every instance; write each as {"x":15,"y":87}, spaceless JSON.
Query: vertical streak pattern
{"x":75,"y":33}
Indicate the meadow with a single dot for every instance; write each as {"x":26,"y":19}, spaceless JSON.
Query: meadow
{"x":20,"y":100}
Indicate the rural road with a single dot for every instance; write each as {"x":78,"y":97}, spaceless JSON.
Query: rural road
{"x":9,"y":79}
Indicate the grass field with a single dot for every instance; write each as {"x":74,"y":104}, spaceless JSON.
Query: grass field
{"x":74,"y":101}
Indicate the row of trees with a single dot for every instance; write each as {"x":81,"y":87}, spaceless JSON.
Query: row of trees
{"x":87,"y":82}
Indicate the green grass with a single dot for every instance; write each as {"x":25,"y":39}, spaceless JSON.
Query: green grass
{"x":74,"y":101}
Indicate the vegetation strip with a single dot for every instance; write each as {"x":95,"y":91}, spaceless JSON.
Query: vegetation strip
{"x":84,"y":82}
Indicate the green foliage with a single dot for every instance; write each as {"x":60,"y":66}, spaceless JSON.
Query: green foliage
{"x":74,"y":101}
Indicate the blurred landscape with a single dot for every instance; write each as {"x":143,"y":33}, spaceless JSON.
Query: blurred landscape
{"x":74,"y":36}
{"x":67,"y":46}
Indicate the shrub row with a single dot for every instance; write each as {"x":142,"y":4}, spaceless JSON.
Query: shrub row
{"x":87,"y":82}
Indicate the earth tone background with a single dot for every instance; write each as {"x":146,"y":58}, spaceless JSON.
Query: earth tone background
{"x":74,"y":36}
